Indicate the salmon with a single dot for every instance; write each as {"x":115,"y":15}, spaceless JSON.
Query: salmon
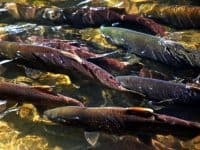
{"x":39,"y":95}
{"x":123,"y":121}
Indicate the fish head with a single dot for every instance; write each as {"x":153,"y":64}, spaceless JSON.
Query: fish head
{"x":68,"y":115}
{"x":54,"y":14}
{"x":126,"y":81}
{"x":113,"y":35}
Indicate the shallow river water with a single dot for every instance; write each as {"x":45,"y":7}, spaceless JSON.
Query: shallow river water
{"x":25,"y":129}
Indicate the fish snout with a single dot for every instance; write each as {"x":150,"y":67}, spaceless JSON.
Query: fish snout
{"x":49,"y":115}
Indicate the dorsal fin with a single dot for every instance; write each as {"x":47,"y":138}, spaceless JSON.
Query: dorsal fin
{"x":72,"y":56}
{"x":139,"y":111}
{"x":92,"y":137}
{"x":45,"y":89}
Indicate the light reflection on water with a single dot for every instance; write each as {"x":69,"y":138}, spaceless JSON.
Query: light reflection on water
{"x":25,"y":129}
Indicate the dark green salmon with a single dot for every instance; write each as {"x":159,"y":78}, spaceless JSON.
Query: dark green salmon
{"x":152,"y":47}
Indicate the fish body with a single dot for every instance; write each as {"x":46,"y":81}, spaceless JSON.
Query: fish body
{"x":79,"y":17}
{"x":34,"y":53}
{"x":119,"y":120}
{"x":81,"y":51}
{"x":15,"y":29}
{"x":177,"y":16}
{"x":48,"y":57}
{"x":152,"y":47}
{"x":36,"y":95}
{"x":160,"y":90}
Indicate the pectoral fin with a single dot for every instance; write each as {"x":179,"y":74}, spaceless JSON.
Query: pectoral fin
{"x":100,"y":56}
{"x":5,"y":61}
{"x":9,"y":110}
{"x":2,"y":68}
{"x":91,"y":137}
{"x":165,"y":102}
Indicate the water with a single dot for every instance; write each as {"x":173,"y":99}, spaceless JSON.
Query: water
{"x":25,"y":129}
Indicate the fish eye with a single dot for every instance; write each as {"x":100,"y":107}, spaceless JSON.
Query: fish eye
{"x":52,"y":14}
{"x":111,"y":78}
{"x":75,"y":118}
{"x":60,"y":119}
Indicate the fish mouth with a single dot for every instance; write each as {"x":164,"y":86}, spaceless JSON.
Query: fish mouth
{"x":104,"y":33}
{"x":52,"y":116}
{"x":108,"y":37}
{"x":48,"y":120}
{"x":112,"y":36}
{"x":47,"y":115}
